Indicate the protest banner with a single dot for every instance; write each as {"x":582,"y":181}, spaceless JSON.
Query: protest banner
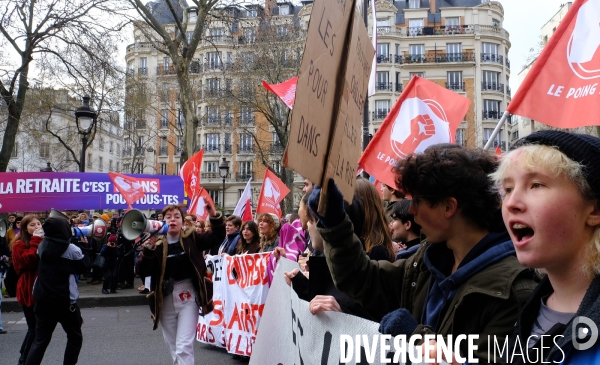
{"x":38,"y":191}
{"x":318,"y":89}
{"x":240,"y":287}
{"x":304,"y":338}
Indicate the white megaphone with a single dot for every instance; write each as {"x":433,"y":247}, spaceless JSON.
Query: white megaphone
{"x":2,"y":228}
{"x":135,"y":224}
{"x":96,"y":230}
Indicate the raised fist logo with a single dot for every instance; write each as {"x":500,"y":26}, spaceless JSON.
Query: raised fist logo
{"x":421,"y":128}
{"x":583,"y":50}
{"x":185,"y":296}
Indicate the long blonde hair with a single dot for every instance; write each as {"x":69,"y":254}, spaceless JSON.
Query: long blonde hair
{"x":556,"y":164}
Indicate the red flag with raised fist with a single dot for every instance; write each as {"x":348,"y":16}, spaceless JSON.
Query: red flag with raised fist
{"x":424,"y":115}
{"x":272,"y":191}
{"x":128,"y":186}
{"x":190,"y":173}
{"x":199,"y":202}
{"x":562,"y":88}
{"x":286,"y":91}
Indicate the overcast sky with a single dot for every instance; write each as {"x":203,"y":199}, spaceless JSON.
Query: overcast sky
{"x":524,"y":19}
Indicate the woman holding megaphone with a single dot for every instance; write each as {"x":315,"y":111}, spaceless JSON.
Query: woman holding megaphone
{"x":178,"y":285}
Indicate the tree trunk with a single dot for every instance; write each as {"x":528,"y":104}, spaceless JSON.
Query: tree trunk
{"x":15,"y":108}
{"x":187,"y":108}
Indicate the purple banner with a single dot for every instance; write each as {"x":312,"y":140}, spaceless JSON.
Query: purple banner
{"x":39,"y":191}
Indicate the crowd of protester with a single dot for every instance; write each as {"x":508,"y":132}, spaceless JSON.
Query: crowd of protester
{"x":464,"y":243}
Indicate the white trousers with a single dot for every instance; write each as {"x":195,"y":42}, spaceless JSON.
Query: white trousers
{"x":179,"y":320}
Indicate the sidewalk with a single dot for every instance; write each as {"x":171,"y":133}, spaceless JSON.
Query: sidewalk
{"x":91,"y":296}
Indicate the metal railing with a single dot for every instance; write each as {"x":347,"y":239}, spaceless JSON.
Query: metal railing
{"x":211,"y":148}
{"x":491,"y":114}
{"x":399,"y":87}
{"x":245,"y":148}
{"x":244,"y":176}
{"x":456,"y":86}
{"x":165,"y":70}
{"x":227,"y":148}
{"x":379,"y":114}
{"x":384,"y":86}
{"x":143,"y":71}
{"x":492,"y":86}
{"x":163,"y":151}
{"x":492,"y":57}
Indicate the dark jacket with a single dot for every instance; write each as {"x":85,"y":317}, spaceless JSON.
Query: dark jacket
{"x":230,"y":243}
{"x":565,"y":352}
{"x":111,"y":256}
{"x":153,"y":262}
{"x":486,"y":303}
{"x":59,"y":262}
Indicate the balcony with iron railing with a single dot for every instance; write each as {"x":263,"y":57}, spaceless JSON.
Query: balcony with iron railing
{"x":244,"y":176}
{"x":491,"y":114}
{"x":140,"y":46}
{"x":456,"y":86}
{"x":143,"y":71}
{"x":246,"y":120}
{"x":399,"y":87}
{"x":213,"y":92}
{"x":245,"y":148}
{"x":437,"y":57}
{"x":213,"y":121}
{"x":508,"y":91}
{"x":213,"y":176}
{"x":492,"y":57}
{"x":139,"y":151}
{"x":163,"y":151}
{"x":379,"y":114}
{"x":218,"y":40}
{"x":165,"y":70}
{"x":441,"y":30}
{"x":195,"y":67}
{"x":211,"y":148}
{"x":384,"y":86}
{"x":387,"y":58}
{"x":126,"y":152}
{"x":227,"y":119}
{"x":213,"y":66}
{"x":444,"y":30}
{"x":227,"y":148}
{"x":276,"y":147}
{"x":492,"y":86}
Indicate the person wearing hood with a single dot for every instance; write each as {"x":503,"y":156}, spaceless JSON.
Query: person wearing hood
{"x":55,"y":291}
{"x":465,"y":279}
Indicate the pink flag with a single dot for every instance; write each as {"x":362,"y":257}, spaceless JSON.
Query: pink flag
{"x":190,"y":173}
{"x":128,"y":186}
{"x":272,"y":192}
{"x":286,"y":91}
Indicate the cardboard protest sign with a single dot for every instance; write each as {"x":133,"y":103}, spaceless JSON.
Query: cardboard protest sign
{"x":345,"y":145}
{"x":318,"y":88}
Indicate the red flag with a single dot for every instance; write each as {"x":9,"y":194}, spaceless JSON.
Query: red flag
{"x":190,"y":173}
{"x":286,"y":91}
{"x":424,"y":115}
{"x":561,"y":89}
{"x":498,"y":151}
{"x":247,"y":215}
{"x":199,"y":202}
{"x":272,"y":191}
{"x":128,"y":186}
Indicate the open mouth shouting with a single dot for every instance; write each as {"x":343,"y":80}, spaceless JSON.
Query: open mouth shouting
{"x":521,"y":232}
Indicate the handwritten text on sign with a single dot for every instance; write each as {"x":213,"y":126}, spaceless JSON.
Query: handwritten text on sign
{"x":318,"y":88}
{"x":240,"y":288}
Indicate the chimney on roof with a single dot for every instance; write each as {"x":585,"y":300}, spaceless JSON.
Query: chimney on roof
{"x":269,"y":6}
{"x":432,"y":6}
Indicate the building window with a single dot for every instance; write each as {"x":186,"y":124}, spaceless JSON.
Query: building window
{"x":117,"y":167}
{"x":143,"y":66}
{"x":110,"y":147}
{"x":383,"y":81}
{"x":166,"y":63}
{"x":284,"y":10}
{"x":164,"y":120}
{"x":44,"y":149}
{"x":212,"y":115}
{"x":163,"y":146}
{"x":514,"y":135}
{"x":411,"y":74}
{"x":281,"y":30}
{"x":211,"y":166}
{"x":101,"y":144}
{"x":414,"y":4}
{"x":246,"y":143}
{"x":491,"y":109}
{"x":460,"y":137}
{"x":118,"y":149}
{"x":454,"y":80}
{"x":126,"y":168}
{"x":140,"y":168}
{"x":212,"y":143}
{"x":178,"y":146}
{"x":491,"y":81}
{"x":177,"y":167}
{"x":417,"y":53}
{"x":382,"y":108}
{"x":487,"y":133}
{"x":110,"y":165}
{"x":214,"y":195}
{"x":245,"y":170}
{"x":276,"y":167}
{"x":454,"y":52}
{"x":214,"y":60}
{"x":89,"y":160}
{"x":383,"y":52}
{"x":100,"y":163}
{"x":15,"y":151}
{"x":163,"y":169}
{"x":415,"y":27}
{"x":249,"y":35}
{"x":246,"y":115}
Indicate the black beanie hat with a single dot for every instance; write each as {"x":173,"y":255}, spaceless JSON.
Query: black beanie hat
{"x":581,"y":148}
{"x":56,"y":227}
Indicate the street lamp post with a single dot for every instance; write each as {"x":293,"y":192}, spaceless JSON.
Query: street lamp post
{"x":224,"y":171}
{"x":85,"y":118}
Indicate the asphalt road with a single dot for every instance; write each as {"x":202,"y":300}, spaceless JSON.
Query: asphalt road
{"x":111,"y":336}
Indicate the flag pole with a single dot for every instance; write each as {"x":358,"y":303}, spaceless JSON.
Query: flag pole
{"x":496,"y":130}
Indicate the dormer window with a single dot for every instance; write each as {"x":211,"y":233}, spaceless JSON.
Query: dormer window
{"x":414,"y":4}
{"x":284,"y":10}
